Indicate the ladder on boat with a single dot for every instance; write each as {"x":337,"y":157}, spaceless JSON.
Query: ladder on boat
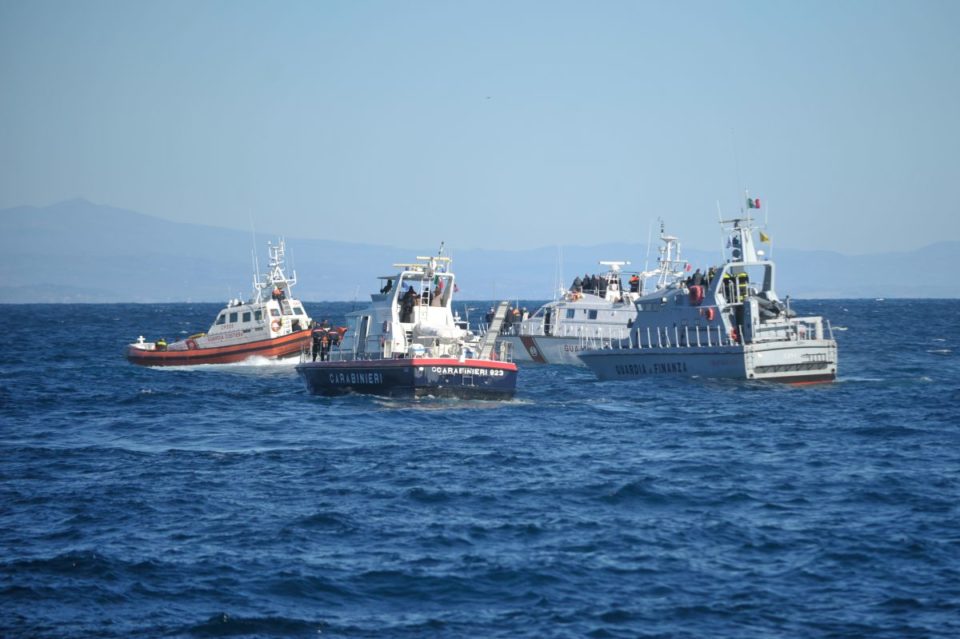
{"x":493,"y":331}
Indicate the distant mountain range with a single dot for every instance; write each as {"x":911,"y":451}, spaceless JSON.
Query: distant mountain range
{"x":77,"y":251}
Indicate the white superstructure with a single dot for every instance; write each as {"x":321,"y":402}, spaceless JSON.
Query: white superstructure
{"x":559,"y":330}
{"x":733,"y":324}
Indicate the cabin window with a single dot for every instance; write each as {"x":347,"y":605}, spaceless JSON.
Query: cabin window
{"x":274,"y":312}
{"x":246,"y":316}
{"x":570,"y":313}
{"x":298,"y":311}
{"x":221,"y":319}
{"x":233,"y":317}
{"x":258,"y":315}
{"x":592,"y":315}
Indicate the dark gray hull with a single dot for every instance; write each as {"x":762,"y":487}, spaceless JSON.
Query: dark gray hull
{"x":413,"y":377}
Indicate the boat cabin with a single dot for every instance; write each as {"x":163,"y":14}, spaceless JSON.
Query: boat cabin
{"x":410,"y":316}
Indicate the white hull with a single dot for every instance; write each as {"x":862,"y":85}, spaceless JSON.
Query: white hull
{"x":797,"y":362}
{"x":530,"y":349}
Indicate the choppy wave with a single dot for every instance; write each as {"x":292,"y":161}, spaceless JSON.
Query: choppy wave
{"x":223,"y":501}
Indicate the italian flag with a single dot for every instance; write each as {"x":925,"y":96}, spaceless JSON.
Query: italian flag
{"x":753,"y":203}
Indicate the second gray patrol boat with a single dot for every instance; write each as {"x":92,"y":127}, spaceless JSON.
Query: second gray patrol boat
{"x":732,"y":325}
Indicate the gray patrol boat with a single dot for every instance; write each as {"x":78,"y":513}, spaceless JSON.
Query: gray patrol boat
{"x":731,"y":324}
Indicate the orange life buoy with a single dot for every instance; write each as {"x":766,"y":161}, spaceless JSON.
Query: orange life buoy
{"x":275,"y":325}
{"x":696,"y":294}
{"x":709,"y":313}
{"x":191,"y":345}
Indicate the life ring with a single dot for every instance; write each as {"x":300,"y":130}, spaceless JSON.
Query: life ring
{"x":709,"y":313}
{"x":275,"y":325}
{"x":191,"y":345}
{"x":696,"y":295}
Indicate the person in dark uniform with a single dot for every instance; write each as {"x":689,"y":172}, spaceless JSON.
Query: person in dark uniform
{"x":316,"y":335}
{"x":634,"y":283}
{"x":577,"y":285}
{"x":406,"y":304}
{"x":387,"y":287}
{"x":325,"y":346}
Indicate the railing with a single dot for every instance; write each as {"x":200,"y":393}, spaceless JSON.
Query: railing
{"x":674,"y":336}
{"x":504,"y":353}
{"x":578,"y":331}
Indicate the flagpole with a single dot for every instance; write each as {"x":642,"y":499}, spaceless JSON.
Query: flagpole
{"x":766,"y":213}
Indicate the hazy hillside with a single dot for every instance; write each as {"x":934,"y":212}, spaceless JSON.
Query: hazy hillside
{"x":77,"y":251}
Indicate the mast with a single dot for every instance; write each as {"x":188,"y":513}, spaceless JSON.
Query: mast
{"x":275,"y":277}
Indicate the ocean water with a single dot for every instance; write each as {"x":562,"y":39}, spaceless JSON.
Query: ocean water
{"x":223,"y":501}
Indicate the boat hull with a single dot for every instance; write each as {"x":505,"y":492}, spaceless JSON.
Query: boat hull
{"x":544,"y":349}
{"x":810,"y":361}
{"x":412,"y":377}
{"x":276,"y":348}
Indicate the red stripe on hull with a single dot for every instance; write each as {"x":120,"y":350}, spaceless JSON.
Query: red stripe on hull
{"x":401,"y":362}
{"x":532,"y":349}
{"x":275,"y":348}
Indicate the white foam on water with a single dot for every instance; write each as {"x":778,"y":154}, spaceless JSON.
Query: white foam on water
{"x":257,"y":361}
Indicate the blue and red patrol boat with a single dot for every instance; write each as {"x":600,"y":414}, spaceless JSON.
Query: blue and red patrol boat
{"x":408,"y":342}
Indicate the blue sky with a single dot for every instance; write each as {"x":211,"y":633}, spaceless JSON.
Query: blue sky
{"x":497,"y":124}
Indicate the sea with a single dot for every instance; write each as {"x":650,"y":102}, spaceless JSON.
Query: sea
{"x":225,"y":501}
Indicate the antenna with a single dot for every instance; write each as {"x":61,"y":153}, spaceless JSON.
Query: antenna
{"x":736,"y":160}
{"x":720,"y":219}
{"x":253,"y":243}
{"x":559,"y":283}
{"x":646,"y":259}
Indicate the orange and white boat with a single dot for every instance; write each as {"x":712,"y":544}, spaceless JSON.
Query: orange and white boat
{"x":272,"y":324}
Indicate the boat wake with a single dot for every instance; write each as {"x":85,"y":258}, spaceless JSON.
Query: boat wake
{"x":256,"y":361}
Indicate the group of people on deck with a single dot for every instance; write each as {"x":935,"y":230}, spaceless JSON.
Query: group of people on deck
{"x":734,"y":287}
{"x":698,"y":278}
{"x":598,"y":284}
{"x":324,"y":336}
